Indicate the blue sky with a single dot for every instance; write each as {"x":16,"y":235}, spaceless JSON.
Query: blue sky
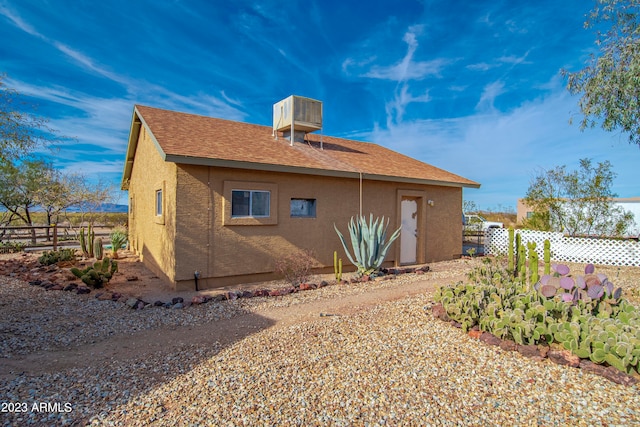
{"x":471,"y":87}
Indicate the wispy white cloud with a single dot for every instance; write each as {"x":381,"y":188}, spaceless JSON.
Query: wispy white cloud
{"x":482,"y":66}
{"x":395,"y":109}
{"x":408,"y":69}
{"x":78,"y":57}
{"x":19,"y":22}
{"x":503,"y":150}
{"x":515,"y":60}
{"x":489,"y":94}
{"x":89,"y":64}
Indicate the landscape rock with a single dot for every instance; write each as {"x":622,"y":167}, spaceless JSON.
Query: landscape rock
{"x":475,"y":334}
{"x":529,"y":351}
{"x":198,"y":299}
{"x":178,"y":305}
{"x":106,"y":296}
{"x":158,"y":303}
{"x":132,"y":302}
{"x":618,"y":377}
{"x":132,"y":278}
{"x":80,"y":290}
{"x":438,"y":311}
{"x":70,"y":287}
{"x":177,"y":300}
{"x":564,"y":357}
{"x":594,"y":368}
{"x":508,"y":345}
{"x":490,"y":339}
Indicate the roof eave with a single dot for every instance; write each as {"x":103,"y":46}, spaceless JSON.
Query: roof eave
{"x":137,"y":121}
{"x":200,"y":161}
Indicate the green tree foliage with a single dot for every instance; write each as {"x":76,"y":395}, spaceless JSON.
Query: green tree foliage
{"x":20,"y":131}
{"x":610,"y":82}
{"x":21,"y":184}
{"x":577,"y":202}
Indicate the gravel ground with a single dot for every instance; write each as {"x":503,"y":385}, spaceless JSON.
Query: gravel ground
{"x":388,"y":365}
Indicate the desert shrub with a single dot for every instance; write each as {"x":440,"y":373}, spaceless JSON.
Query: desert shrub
{"x":53,"y":257}
{"x":11,"y":247}
{"x":296,"y":267}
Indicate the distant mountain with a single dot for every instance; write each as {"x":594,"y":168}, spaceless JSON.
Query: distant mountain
{"x":106,"y":207}
{"x":112,"y":207}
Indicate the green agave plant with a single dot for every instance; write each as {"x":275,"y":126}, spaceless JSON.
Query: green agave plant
{"x":369,"y":242}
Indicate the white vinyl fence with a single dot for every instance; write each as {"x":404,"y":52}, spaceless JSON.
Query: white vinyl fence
{"x":572,"y":249}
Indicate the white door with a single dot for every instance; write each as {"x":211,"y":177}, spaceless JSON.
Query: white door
{"x":409,"y":232}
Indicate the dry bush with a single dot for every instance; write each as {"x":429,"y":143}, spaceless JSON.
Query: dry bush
{"x":296,"y":267}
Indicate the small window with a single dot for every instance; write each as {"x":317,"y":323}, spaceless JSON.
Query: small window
{"x":158,"y":202}
{"x":529,"y":215}
{"x":246,"y":203}
{"x":303,"y":208}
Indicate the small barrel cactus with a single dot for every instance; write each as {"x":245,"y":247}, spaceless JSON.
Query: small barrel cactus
{"x":97,"y":248}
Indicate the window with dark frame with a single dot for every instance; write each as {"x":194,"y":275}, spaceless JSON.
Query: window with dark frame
{"x":158,"y":202}
{"x":303,"y":208}
{"x":250,"y":203}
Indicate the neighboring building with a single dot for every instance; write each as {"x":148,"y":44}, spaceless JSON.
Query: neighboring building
{"x":227,"y":199}
{"x":631,"y":204}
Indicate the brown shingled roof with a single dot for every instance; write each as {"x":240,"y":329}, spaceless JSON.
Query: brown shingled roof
{"x":193,"y":139}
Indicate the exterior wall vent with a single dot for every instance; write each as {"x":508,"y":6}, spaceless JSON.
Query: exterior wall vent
{"x":295,"y":115}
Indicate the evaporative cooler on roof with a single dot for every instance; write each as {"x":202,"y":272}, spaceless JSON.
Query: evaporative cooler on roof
{"x":296,"y":116}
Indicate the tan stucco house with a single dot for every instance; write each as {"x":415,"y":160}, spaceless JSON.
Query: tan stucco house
{"x":226,"y":199}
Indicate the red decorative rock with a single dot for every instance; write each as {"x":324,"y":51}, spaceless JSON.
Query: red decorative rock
{"x":564,"y":357}
{"x":594,"y":368}
{"x":305,"y":287}
{"x":618,"y":376}
{"x":106,"y":297}
{"x":475,"y":334}
{"x":438,"y":311}
{"x":490,"y":339}
{"x":508,"y":345}
{"x":198,"y":299}
{"x":529,"y":351}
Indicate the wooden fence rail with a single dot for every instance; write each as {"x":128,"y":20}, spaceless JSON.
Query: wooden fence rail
{"x":29,"y":234}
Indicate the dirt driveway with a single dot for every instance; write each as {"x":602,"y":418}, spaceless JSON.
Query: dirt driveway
{"x":246,"y":317}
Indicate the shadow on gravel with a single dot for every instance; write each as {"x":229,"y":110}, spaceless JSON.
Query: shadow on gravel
{"x":97,"y":378}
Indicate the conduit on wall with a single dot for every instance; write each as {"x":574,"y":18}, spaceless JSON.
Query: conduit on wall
{"x":360,"y":193}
